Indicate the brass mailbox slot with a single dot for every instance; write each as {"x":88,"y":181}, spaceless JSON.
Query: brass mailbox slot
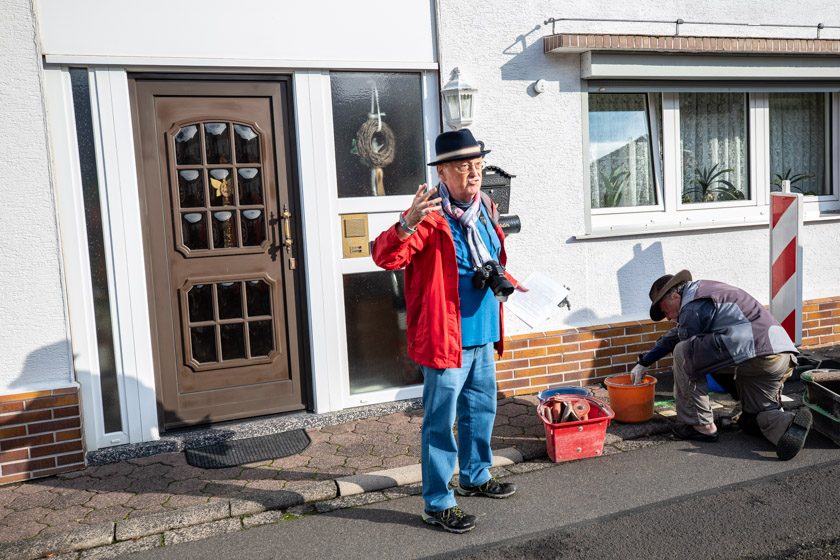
{"x":354,"y":235}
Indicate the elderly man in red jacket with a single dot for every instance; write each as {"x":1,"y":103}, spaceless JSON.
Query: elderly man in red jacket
{"x":452,"y":250}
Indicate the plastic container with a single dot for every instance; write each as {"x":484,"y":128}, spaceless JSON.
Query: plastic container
{"x":824,"y":422}
{"x":822,"y":387}
{"x":713,"y":385}
{"x":543,"y":395}
{"x":631,"y":403}
{"x":568,"y":441}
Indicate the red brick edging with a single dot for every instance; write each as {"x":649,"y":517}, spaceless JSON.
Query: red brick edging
{"x":40,"y":434}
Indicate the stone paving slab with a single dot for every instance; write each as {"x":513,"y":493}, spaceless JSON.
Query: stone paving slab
{"x":158,"y":500}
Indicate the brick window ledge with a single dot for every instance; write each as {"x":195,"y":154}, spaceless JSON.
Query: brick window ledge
{"x":582,"y":42}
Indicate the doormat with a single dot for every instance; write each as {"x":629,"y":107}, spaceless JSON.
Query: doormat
{"x":249,"y":450}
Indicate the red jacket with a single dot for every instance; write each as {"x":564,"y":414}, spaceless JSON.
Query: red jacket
{"x":431,"y":288}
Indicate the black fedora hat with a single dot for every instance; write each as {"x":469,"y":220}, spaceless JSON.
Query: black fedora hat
{"x":454,"y":145}
{"x":661,"y":287}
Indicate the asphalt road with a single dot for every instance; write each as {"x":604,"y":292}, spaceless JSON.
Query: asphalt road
{"x":685,"y":500}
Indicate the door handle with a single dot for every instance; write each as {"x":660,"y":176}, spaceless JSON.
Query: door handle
{"x":286,"y":216}
{"x":288,"y":241}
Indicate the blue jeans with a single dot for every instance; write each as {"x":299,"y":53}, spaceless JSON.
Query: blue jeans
{"x":469,"y":392}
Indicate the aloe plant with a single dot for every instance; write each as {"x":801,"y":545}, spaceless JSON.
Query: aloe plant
{"x":776,"y":183}
{"x":613,"y":186}
{"x":709,"y":184}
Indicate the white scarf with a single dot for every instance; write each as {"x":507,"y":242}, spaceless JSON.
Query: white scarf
{"x":467,"y":219}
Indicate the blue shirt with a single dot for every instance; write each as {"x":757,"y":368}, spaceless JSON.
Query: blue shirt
{"x":479,"y":308}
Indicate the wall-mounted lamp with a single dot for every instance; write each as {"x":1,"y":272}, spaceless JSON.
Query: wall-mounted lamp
{"x":458,"y":101}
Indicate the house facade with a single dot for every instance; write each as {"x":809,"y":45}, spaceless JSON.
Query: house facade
{"x":202,"y":182}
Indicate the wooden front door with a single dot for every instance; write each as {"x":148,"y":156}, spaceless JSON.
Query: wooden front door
{"x":214,"y":174}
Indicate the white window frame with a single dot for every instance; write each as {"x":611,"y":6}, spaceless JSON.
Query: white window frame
{"x":657,"y":169}
{"x":671,"y":214}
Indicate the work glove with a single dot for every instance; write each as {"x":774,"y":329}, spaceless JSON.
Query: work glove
{"x":638,"y":373}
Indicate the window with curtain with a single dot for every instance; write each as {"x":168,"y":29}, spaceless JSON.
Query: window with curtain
{"x":621,"y":171}
{"x":798,"y":142}
{"x":713,"y":147}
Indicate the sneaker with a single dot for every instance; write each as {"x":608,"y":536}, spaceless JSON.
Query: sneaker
{"x":793,"y":440}
{"x":492,"y":489}
{"x":453,"y":519}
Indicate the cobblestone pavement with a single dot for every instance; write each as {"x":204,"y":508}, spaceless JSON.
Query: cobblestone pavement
{"x":131,"y":499}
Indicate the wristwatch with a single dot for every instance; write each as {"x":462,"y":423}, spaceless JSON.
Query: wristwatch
{"x":406,"y":228}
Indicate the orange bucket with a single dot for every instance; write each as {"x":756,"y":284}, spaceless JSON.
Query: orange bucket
{"x":631,"y":403}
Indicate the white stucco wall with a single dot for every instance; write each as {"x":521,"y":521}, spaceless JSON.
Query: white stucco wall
{"x":323,"y":33}
{"x":34,"y":351}
{"x":538,"y":138}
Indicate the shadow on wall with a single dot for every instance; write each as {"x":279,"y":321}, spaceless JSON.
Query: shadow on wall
{"x":41,"y":363}
{"x":527,"y":61}
{"x":634,"y":280}
{"x":636,"y":276}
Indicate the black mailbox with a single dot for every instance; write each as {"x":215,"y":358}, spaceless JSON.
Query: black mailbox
{"x":496,"y":183}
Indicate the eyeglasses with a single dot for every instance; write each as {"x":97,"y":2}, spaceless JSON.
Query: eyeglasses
{"x":464,"y":167}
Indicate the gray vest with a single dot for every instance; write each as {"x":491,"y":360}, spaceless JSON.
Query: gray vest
{"x":741,"y":329}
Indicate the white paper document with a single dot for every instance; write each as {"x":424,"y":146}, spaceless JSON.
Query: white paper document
{"x":540,"y":302}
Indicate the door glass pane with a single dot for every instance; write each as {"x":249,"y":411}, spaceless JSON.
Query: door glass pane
{"x":224,"y":230}
{"x":247,"y":144}
{"x":620,"y":152}
{"x":233,"y":341}
{"x":713,"y":141}
{"x":798,"y":142}
{"x":382,"y":154}
{"x":374,"y":305}
{"x":108,"y":382}
{"x":260,"y":335}
{"x":230,"y":300}
{"x":259,"y":298}
{"x":188,"y":146}
{"x":221,"y":187}
{"x":203,"y":341}
{"x":253,"y":227}
{"x":250,"y":186}
{"x":201,"y":303}
{"x":191,"y":187}
{"x":194,"y":228}
{"x":217,"y":142}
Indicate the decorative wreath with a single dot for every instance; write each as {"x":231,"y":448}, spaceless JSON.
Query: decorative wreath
{"x":375,"y":143}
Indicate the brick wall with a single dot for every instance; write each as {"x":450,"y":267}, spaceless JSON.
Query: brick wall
{"x":584,"y":356}
{"x":40,"y":434}
{"x":575,"y":42}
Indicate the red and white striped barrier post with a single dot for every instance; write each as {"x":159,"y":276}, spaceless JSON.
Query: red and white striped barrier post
{"x":786,"y":261}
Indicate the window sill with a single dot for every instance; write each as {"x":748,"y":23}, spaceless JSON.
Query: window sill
{"x":639,"y":230}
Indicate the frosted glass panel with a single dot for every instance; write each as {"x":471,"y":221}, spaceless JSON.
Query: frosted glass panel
{"x":378,"y":123}
{"x":376,"y":342}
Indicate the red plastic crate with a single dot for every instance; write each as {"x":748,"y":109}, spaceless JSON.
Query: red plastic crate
{"x":568,"y":441}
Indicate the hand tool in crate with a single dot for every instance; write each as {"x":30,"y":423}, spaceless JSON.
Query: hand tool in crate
{"x":575,"y":427}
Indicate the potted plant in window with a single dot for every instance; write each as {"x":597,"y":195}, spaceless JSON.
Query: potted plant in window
{"x":776,"y":183}
{"x":612,"y":186}
{"x":709,"y":184}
